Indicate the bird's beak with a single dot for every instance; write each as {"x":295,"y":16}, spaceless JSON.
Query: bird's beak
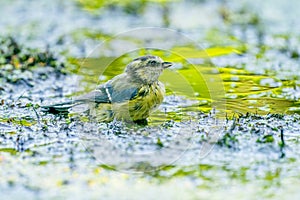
{"x":167,"y":64}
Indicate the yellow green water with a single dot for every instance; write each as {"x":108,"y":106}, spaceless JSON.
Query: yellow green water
{"x":250,"y":64}
{"x":228,"y":90}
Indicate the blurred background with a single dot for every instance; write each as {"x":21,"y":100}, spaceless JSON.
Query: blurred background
{"x":237,"y":58}
{"x":255,"y":44}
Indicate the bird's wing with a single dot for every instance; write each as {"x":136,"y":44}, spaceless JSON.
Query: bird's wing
{"x":106,"y":93}
{"x":124,"y":94}
{"x":100,"y":95}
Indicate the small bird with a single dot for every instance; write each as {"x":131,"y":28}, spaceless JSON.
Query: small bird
{"x":130,"y":96}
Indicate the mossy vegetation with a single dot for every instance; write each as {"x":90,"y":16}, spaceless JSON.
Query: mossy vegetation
{"x":229,"y":124}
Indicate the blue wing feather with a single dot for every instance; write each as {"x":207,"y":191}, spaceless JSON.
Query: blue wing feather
{"x":124,"y":95}
{"x":108,"y":94}
{"x":103,"y":94}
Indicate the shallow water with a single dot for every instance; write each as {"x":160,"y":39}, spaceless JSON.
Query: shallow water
{"x":230,"y":58}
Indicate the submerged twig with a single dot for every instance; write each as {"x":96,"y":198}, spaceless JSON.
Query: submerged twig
{"x":282,"y":144}
{"x":37,"y":115}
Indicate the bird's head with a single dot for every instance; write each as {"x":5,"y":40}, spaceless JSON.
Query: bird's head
{"x":146,"y":69}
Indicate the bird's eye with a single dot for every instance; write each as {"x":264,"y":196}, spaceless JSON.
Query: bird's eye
{"x":152,"y":62}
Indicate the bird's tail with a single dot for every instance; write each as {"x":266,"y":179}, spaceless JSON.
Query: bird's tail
{"x":60,"y":108}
